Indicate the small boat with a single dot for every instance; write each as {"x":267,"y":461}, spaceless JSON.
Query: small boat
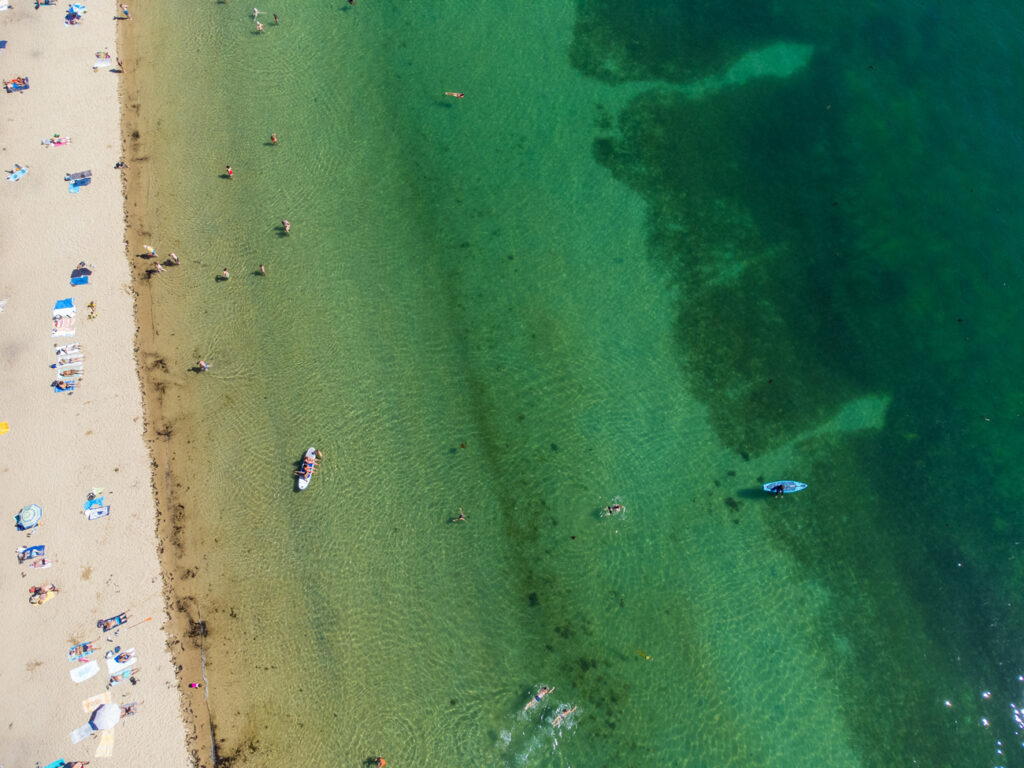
{"x":784,"y":486}
{"x":308,"y":465}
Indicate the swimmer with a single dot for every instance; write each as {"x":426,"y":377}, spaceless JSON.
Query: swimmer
{"x":276,"y":22}
{"x":287,"y":226}
{"x":561,"y":716}
{"x":614,"y":509}
{"x":255,"y":13}
{"x":263,"y":270}
{"x":259,"y":26}
{"x":273,"y":136}
{"x":544,"y":691}
{"x":455,"y":94}
{"x":460,"y":519}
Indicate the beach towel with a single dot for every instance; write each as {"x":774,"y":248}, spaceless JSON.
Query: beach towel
{"x":63,"y":326}
{"x":83,"y":280}
{"x":84,"y":672}
{"x":17,"y":173}
{"x":91,"y":503}
{"x":93,"y":703}
{"x":57,"y":764}
{"x":114,"y":666}
{"x":106,"y":746}
{"x":97,"y":512}
{"x":80,"y":733}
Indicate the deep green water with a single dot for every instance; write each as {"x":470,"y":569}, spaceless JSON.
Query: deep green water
{"x":661,"y":253}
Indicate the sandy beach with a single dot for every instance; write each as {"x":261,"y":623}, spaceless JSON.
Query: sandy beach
{"x":60,"y":446}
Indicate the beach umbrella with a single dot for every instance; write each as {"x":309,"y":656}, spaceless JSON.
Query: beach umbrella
{"x":29,"y":517}
{"x":105,"y":717}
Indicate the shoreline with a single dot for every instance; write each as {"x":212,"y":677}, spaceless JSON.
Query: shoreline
{"x":60,"y":445}
{"x":185,"y":627}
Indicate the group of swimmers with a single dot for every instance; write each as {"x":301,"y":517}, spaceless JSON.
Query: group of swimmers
{"x":541,"y":693}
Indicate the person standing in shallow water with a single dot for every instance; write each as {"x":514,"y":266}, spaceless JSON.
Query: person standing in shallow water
{"x":231,"y":174}
{"x":273,"y":138}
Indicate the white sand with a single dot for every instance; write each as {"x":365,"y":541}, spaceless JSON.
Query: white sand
{"x":59,"y":446}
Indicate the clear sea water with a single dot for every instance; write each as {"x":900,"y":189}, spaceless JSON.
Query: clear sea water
{"x":661,"y":253}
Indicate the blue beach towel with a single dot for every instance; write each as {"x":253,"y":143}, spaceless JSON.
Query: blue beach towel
{"x":97,"y":502}
{"x":83,"y":280}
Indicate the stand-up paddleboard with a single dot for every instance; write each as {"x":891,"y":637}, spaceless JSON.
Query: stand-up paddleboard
{"x":784,"y":486}
{"x":306,"y":472}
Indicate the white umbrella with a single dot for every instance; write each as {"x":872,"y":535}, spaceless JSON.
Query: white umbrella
{"x":105,"y":717}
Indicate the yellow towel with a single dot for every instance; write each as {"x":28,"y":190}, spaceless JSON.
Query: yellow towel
{"x":3,"y":427}
{"x":106,"y":747}
{"x":90,"y":704}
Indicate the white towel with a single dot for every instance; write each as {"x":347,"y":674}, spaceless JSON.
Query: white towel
{"x":84,"y":672}
{"x":113,"y":666}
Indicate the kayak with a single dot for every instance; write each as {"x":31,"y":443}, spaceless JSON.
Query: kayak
{"x":786,"y":486}
{"x":306,"y":473}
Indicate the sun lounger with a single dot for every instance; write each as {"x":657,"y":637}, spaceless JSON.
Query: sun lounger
{"x":82,"y":673}
{"x":114,"y":666}
{"x":97,"y":512}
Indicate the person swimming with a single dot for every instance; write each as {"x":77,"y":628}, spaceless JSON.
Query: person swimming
{"x":613,"y":509}
{"x":544,"y":691}
{"x":561,"y":716}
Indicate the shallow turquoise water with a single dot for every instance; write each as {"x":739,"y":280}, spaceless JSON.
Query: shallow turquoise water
{"x":660,"y":253}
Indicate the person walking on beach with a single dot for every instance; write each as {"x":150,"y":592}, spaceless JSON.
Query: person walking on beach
{"x":124,"y":10}
{"x":455,"y":94}
{"x":120,"y":66}
{"x":231,"y":174}
{"x":287,"y":226}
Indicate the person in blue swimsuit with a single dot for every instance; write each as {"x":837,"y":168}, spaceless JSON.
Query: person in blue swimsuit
{"x":544,"y":691}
